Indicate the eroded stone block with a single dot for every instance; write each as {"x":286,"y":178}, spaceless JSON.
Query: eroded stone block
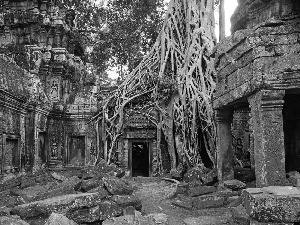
{"x":279,"y":204}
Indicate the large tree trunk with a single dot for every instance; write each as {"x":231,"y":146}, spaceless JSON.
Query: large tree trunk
{"x":179,"y":65}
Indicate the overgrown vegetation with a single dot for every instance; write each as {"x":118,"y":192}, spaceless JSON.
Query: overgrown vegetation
{"x":176,"y":80}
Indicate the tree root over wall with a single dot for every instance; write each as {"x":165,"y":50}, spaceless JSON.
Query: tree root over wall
{"x":176,"y":80}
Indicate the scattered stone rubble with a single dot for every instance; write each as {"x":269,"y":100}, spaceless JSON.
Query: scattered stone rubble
{"x":69,"y":195}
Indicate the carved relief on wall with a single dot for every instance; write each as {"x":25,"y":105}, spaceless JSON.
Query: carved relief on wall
{"x":241,"y":137}
{"x":54,"y":89}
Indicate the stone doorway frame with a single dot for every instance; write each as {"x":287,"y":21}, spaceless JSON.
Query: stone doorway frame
{"x":4,"y":146}
{"x":87,"y":154}
{"x":150,"y":149}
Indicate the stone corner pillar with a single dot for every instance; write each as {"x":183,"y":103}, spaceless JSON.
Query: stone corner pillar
{"x":224,"y":144}
{"x":267,"y":122}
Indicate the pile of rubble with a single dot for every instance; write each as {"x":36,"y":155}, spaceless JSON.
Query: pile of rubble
{"x":199,"y":189}
{"x":73,"y":195}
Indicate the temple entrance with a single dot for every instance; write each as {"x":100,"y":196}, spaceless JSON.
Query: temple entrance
{"x":291,"y":127}
{"x":11,"y":161}
{"x":140,"y":159}
{"x":76,"y":151}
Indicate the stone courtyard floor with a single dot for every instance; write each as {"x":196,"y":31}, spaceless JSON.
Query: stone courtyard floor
{"x":156,"y":196}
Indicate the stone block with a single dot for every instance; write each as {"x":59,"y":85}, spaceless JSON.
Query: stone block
{"x":181,"y":188}
{"x":234,"y":185}
{"x":279,"y":204}
{"x":127,"y":200}
{"x":56,"y":218}
{"x":209,"y":178}
{"x":101,"y":192}
{"x":58,"y":176}
{"x":194,"y":174}
{"x":87,"y":185}
{"x":116,"y":186}
{"x":108,"y":209}
{"x":201,"y":190}
{"x":240,"y":215}
{"x":208,"y":201}
{"x":12,"y":220}
{"x":209,"y":220}
{"x":186,"y":203}
{"x":60,"y":204}
{"x":254,"y":222}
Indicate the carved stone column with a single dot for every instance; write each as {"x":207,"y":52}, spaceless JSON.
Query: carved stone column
{"x":224,"y":144}
{"x":267,"y":123}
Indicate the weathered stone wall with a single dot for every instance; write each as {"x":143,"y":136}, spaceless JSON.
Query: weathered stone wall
{"x":250,"y":13}
{"x":249,"y":60}
{"x":257,"y":66}
{"x":46,"y":95}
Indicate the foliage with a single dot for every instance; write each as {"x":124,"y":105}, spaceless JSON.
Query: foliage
{"x":131,"y":28}
{"x":117,"y":33}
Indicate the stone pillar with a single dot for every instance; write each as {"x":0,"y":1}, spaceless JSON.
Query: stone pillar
{"x":267,"y":123}
{"x":224,"y":144}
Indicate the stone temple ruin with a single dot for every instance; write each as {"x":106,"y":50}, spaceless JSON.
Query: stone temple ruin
{"x":258,"y":74}
{"x":46,"y":95}
{"x":47,"y":100}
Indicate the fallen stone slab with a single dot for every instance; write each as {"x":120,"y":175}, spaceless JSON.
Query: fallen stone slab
{"x":234,"y":185}
{"x":182,"y":204}
{"x":208,"y":201}
{"x":181,"y":188}
{"x":50,"y":190}
{"x":127,"y":200}
{"x":60,"y":219}
{"x":108,"y":209}
{"x":183,"y":201}
{"x":209,"y":220}
{"x":240,"y":215}
{"x":194,"y":174}
{"x":138,"y":219}
{"x":116,"y":186}
{"x":117,"y":172}
{"x":33,"y":192}
{"x":159,"y":218}
{"x":58,"y":176}
{"x":121,"y":220}
{"x":87,"y":185}
{"x":10,"y":182}
{"x":102,"y":192}
{"x":194,"y":183}
{"x":4,"y":211}
{"x":209,"y":178}
{"x":60,"y":204}
{"x":12,"y":220}
{"x":104,"y":210}
{"x":201,"y":190}
{"x":254,"y":222}
{"x":280,"y":204}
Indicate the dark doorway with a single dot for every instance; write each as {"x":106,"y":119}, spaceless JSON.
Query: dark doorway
{"x":140,"y":159}
{"x":76,"y":153}
{"x":11,"y":155}
{"x":42,"y":147}
{"x":291,"y":127}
